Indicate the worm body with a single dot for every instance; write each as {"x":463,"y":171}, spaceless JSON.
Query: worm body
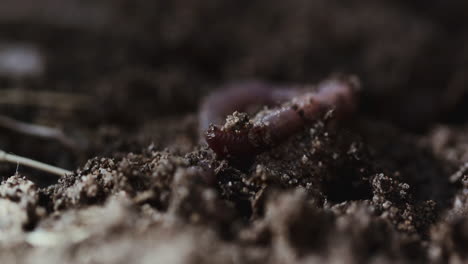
{"x":240,"y":96}
{"x":242,"y":138}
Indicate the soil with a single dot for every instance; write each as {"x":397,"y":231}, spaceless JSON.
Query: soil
{"x":125,"y":79}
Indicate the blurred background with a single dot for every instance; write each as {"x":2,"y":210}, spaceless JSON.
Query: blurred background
{"x":113,"y":75}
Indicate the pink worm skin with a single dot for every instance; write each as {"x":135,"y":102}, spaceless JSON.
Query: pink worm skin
{"x":339,"y":94}
{"x":239,"y":96}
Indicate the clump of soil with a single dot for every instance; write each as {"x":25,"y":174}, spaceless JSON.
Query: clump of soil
{"x":389,"y":185}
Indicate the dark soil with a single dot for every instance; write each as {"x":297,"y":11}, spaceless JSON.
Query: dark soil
{"x":388,"y":186}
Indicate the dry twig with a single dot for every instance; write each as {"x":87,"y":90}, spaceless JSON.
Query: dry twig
{"x":38,"y":131}
{"x":49,"y":99}
{"x":32,"y":163}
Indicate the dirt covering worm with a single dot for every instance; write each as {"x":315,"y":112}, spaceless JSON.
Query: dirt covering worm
{"x":241,"y":137}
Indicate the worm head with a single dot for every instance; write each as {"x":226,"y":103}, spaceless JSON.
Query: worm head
{"x":231,"y":143}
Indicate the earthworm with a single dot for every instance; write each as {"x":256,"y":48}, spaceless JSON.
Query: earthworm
{"x":239,"y":96}
{"x":241,"y":138}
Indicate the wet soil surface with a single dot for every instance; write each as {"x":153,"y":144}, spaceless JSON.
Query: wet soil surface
{"x":125,"y":79}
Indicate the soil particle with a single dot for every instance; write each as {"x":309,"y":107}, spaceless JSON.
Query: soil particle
{"x":103,"y":177}
{"x":18,"y":192}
